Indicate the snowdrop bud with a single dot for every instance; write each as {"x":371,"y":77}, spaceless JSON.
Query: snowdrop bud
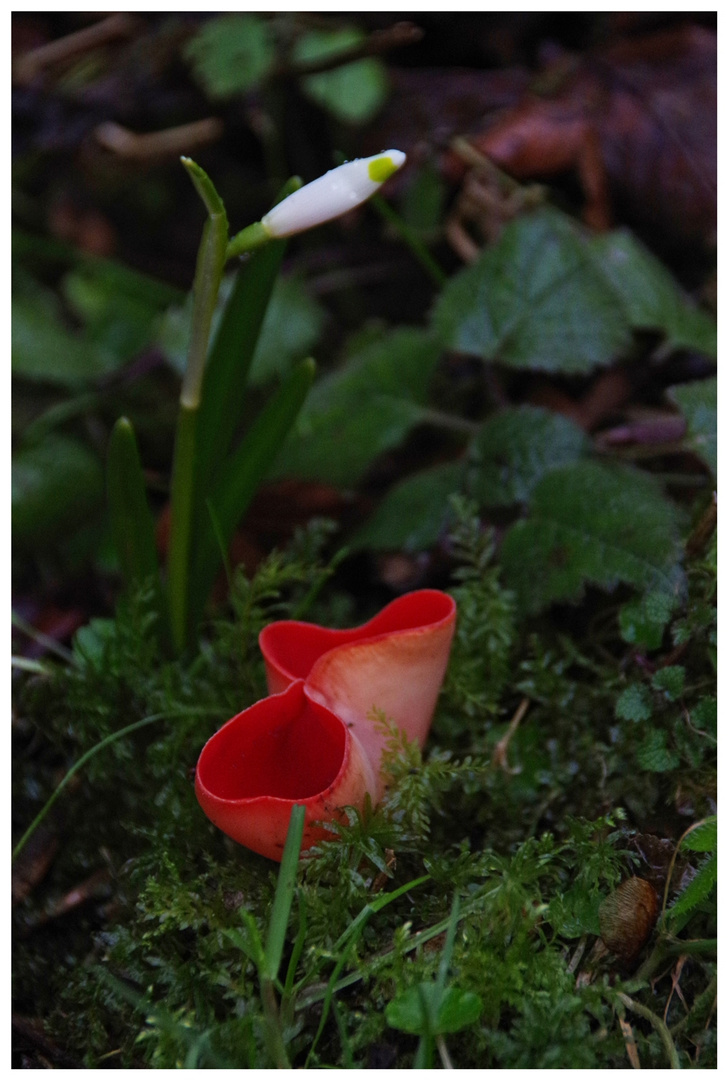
{"x":333,"y":194}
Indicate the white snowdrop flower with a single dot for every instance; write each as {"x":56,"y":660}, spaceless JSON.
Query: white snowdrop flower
{"x":339,"y":190}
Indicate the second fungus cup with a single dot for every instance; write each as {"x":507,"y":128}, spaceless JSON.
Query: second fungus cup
{"x":315,"y":741}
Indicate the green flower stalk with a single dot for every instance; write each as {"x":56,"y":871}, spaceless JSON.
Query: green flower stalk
{"x":193,"y":552}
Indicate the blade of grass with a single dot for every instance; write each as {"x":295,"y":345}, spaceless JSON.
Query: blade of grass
{"x":285,"y":889}
{"x":347,"y":940}
{"x":113,"y":737}
{"x":275,"y":940}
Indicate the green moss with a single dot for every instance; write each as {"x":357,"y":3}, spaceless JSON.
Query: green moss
{"x":157,"y":970}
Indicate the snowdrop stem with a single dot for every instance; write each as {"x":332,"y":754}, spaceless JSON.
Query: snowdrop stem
{"x":249,"y":239}
{"x":208,"y":275}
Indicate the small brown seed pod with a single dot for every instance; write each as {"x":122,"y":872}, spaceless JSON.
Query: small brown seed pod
{"x":627,"y":917}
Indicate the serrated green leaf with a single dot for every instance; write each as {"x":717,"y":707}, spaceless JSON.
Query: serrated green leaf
{"x":670,"y":680}
{"x":698,"y":402}
{"x":642,"y":621}
{"x":654,"y":755}
{"x":699,"y":888}
{"x":366,"y":407}
{"x":704,"y":837}
{"x":592,"y":523}
{"x":231,"y":54}
{"x":535,"y":300}
{"x":651,"y":297}
{"x":457,"y":1009}
{"x":516,"y":447}
{"x":354,"y":92}
{"x":414,"y":513}
{"x":633,"y":704}
{"x":705,"y":715}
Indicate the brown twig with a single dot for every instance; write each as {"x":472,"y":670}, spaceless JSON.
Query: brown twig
{"x":32,"y":63}
{"x":158,"y":144}
{"x":500,"y":752}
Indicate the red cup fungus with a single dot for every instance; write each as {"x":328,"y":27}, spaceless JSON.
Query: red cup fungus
{"x":315,"y":740}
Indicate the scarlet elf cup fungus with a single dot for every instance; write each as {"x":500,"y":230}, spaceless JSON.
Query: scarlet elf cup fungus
{"x":315,"y":740}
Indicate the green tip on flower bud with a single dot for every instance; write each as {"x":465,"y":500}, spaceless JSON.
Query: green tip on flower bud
{"x":381,"y":168}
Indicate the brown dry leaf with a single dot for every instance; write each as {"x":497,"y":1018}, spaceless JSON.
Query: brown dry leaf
{"x":637,"y":124}
{"x":629,"y":1043}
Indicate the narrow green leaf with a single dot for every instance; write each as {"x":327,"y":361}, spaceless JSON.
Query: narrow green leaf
{"x":132,"y":524}
{"x":285,"y":889}
{"x":241,"y":476}
{"x":231,"y":354}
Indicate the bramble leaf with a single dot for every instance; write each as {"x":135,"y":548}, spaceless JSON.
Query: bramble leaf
{"x":699,"y":888}
{"x":698,"y":402}
{"x":231,"y":54}
{"x":592,"y":523}
{"x":704,"y":837}
{"x":536,"y":299}
{"x":650,"y":295}
{"x":354,"y":92}
{"x":516,"y":447}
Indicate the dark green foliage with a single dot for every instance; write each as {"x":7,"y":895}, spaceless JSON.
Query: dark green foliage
{"x":698,"y":403}
{"x":590,"y":522}
{"x":536,"y":299}
{"x":547,"y":296}
{"x":232,"y":54}
{"x":515,"y":448}
{"x":366,"y":407}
